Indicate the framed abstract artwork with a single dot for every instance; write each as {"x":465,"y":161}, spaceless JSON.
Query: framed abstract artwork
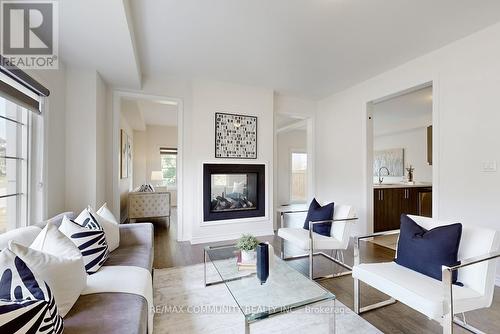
{"x":124,"y":154}
{"x":393,"y":159}
{"x":235,"y":136}
{"x":129,"y":156}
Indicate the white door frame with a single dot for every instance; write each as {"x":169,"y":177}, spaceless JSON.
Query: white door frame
{"x":434,"y":83}
{"x":290,"y":177}
{"x":118,"y":95}
{"x":308,"y":123}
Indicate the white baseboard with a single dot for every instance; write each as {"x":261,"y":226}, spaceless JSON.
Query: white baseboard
{"x":230,"y":236}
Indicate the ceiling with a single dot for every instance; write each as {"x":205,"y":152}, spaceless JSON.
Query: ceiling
{"x":306,"y":48}
{"x":287,"y":122}
{"x":402,"y":113}
{"x":90,"y":29}
{"x":311,"y":48}
{"x":143,"y":113}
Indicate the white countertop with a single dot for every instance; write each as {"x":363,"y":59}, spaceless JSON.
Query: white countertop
{"x":402,"y":185}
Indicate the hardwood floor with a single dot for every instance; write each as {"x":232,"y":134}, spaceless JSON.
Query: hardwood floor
{"x":396,"y":318}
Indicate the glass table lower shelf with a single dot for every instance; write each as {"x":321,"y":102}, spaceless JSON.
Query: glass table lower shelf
{"x":285,"y":290}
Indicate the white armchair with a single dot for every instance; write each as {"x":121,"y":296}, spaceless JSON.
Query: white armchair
{"x":338,"y":240}
{"x":438,"y":300}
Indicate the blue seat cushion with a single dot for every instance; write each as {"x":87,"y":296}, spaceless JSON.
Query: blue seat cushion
{"x":425,"y":251}
{"x":316,"y":213}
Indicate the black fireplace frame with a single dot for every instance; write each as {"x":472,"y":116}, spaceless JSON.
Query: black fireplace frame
{"x":259,"y":211}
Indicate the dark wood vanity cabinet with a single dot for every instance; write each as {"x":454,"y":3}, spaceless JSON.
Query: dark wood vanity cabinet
{"x":390,"y":203}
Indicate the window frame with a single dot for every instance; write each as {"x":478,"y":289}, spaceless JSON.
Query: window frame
{"x":23,"y":90}
{"x":23,"y":138}
{"x":168,"y":151}
{"x":290,"y":190}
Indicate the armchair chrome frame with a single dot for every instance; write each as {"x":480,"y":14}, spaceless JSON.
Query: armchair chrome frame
{"x":338,"y":258}
{"x":357,"y":304}
{"x":447,"y":281}
{"x":449,"y":318}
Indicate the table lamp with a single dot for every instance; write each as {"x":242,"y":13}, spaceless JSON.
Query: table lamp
{"x":157,"y":176}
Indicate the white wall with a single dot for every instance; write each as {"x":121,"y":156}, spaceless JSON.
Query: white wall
{"x":85,"y":139}
{"x":299,"y":108}
{"x":147,"y":150}
{"x":101,"y":130}
{"x":210,"y":97}
{"x":414,"y":143}
{"x":80,"y":138}
{"x":200,"y":100}
{"x":288,"y":141}
{"x":466,"y":78}
{"x":401,"y":122}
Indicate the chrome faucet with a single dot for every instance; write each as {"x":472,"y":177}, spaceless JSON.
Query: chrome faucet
{"x":380,"y":178}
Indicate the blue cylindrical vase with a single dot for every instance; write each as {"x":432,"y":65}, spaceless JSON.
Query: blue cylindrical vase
{"x":262,"y":262}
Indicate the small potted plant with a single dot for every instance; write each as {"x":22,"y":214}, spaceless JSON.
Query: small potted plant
{"x":247,"y":245}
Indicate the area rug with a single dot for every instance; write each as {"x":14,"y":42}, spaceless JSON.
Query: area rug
{"x":183,"y":305}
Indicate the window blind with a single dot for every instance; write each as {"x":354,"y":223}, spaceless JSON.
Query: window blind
{"x":167,"y":150}
{"x":18,"y":86}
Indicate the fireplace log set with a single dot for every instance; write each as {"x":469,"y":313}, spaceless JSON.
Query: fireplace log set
{"x":233,"y":201}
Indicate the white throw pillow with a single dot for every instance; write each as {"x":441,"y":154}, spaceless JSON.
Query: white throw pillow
{"x":23,"y":236}
{"x":65,"y":276}
{"x":91,"y":243}
{"x":89,"y":218}
{"x":110,"y":224}
{"x":106,"y":213}
{"x":27,"y":303}
{"x":52,"y":241}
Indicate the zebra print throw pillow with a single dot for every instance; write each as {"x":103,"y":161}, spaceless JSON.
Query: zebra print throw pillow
{"x":88,"y":220}
{"x":90,"y":240}
{"x":91,"y":219}
{"x":26,"y":303}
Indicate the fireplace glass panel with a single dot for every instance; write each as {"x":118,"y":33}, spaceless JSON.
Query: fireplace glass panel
{"x":233,"y":192}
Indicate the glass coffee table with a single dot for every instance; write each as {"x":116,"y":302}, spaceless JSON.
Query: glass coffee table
{"x":284,"y":291}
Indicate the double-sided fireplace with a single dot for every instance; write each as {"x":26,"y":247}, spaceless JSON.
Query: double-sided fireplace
{"x":233,"y":191}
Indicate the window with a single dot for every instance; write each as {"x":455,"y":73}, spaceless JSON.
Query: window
{"x":14,"y":125}
{"x":169,"y":166}
{"x":22,"y":100}
{"x":298,"y":183}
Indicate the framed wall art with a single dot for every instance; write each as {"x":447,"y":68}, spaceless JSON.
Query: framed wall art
{"x":235,"y":136}
{"x":125,"y":155}
{"x":393,"y":159}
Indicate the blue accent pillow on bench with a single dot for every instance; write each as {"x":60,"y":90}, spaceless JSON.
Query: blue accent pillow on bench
{"x":426,"y":251}
{"x":317,"y":213}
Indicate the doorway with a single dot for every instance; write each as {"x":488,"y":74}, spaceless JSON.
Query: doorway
{"x":400,"y":157}
{"x":152,"y":128}
{"x":294,"y":171}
